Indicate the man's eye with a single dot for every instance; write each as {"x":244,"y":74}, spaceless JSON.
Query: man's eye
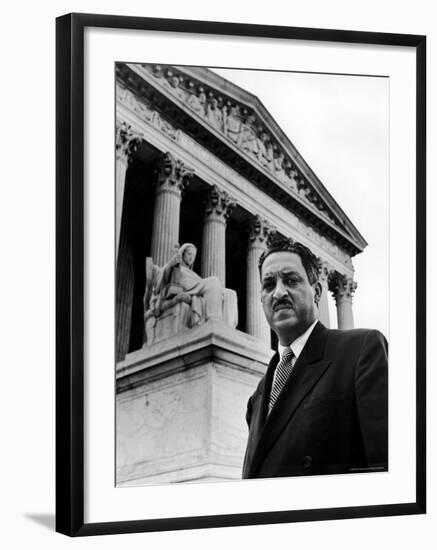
{"x":291,"y":280}
{"x":268,"y":285}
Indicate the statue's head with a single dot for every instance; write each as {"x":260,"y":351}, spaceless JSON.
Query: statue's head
{"x":188,"y":252}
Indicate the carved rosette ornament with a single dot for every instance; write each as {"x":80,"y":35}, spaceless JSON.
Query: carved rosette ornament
{"x":218,"y":205}
{"x":126,"y":142}
{"x":172,"y":175}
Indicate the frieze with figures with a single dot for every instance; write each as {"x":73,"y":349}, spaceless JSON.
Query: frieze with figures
{"x":146,"y":113}
{"x":242,"y":127}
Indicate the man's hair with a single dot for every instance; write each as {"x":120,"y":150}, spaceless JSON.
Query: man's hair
{"x":278,"y":243}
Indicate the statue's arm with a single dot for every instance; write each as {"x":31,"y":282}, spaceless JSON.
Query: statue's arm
{"x":152,"y":273}
{"x":167,"y":270}
{"x":166,"y":273}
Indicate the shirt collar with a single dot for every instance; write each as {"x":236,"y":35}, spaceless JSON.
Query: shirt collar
{"x":298,"y":344}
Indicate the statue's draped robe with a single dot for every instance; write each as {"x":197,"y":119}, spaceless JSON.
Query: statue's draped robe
{"x":191,"y":283}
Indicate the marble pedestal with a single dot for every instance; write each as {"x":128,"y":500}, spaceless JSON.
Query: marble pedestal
{"x":181,"y":406}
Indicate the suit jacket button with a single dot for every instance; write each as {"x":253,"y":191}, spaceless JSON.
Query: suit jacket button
{"x":307,"y":461}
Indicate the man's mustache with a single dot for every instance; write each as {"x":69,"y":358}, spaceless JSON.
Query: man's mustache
{"x":281,"y":303}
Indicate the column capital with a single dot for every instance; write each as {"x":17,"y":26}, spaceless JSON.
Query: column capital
{"x":259,"y":230}
{"x":126,"y":141}
{"x":218,"y":205}
{"x":326,"y":272}
{"x":172,"y":174}
{"x":342,"y":287}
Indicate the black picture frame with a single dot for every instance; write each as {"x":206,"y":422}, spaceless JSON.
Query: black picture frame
{"x":70,"y":273}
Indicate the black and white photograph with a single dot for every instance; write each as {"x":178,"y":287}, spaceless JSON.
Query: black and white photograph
{"x":215,"y":220}
{"x":251,"y":274}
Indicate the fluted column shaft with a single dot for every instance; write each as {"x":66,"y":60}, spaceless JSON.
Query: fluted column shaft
{"x":165,"y":225}
{"x":323,"y":302}
{"x":217,"y":210}
{"x":256,"y":323}
{"x":125,"y":281}
{"x":172,"y":176}
{"x":343,"y":288}
{"x":125,"y":145}
{"x":121,"y":163}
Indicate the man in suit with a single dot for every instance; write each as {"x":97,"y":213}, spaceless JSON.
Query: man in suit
{"x":321,"y":407}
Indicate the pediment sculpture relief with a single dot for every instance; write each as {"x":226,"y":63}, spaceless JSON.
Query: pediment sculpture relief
{"x":242,"y":127}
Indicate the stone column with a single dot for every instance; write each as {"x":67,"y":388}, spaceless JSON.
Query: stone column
{"x":217,"y":210}
{"x":126,"y":143}
{"x":256,"y":323}
{"x":124,"y":292}
{"x":172,"y":177}
{"x":343,"y":288}
{"x":323,"y":303}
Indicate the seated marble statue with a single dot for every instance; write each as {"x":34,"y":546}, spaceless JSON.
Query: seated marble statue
{"x":176,"y":283}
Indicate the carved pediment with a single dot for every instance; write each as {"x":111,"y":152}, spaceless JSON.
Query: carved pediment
{"x":235,"y":126}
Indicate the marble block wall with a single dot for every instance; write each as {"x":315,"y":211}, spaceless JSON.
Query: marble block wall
{"x":181,"y":406}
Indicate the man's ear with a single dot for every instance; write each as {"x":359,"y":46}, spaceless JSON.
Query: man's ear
{"x":317,"y":292}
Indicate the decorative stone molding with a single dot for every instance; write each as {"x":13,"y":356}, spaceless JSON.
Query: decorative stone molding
{"x":259,"y":230}
{"x":342,"y":287}
{"x":126,"y":141}
{"x":325,"y":272}
{"x":172,"y":174}
{"x":146,"y":113}
{"x":218,"y":205}
{"x":324,"y":243}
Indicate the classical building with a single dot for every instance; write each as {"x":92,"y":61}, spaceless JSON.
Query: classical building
{"x":200,"y":160}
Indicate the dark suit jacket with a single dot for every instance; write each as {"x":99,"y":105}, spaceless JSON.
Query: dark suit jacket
{"x":331,"y":416}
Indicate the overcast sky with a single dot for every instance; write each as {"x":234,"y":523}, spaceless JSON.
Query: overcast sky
{"x":339,"y":124}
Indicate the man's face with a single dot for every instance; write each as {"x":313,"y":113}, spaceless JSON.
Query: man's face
{"x":288,"y":298}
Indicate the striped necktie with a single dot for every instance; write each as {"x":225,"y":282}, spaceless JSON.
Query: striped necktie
{"x":282,"y":372}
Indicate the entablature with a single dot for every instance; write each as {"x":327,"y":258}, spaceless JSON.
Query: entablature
{"x":258,"y":153}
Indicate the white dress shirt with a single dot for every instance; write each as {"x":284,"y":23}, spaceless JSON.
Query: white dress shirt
{"x":296,"y":346}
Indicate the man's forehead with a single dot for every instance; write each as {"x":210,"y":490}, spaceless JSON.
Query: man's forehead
{"x":282,"y":261}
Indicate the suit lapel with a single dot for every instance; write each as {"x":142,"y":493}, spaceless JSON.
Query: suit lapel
{"x":260,"y":406}
{"x":307,"y":371}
